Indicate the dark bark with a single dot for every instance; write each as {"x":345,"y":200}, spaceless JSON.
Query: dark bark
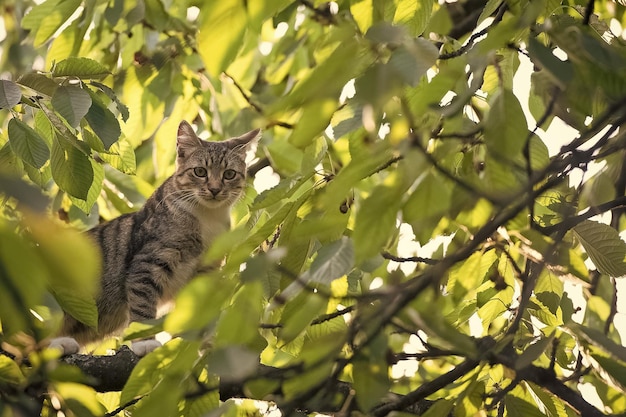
{"x":110,"y":373}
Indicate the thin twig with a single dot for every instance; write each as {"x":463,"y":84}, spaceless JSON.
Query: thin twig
{"x":588,"y":12}
{"x":124,"y":407}
{"x":419,"y":259}
{"x":244,"y":94}
{"x":427,"y":389}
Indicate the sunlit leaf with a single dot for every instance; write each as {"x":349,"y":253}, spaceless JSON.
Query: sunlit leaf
{"x":84,"y":68}
{"x":74,"y":283}
{"x":198,"y":303}
{"x":414,"y":15}
{"x":221,"y":30}
{"x":164,"y":363}
{"x":517,"y":407}
{"x":80,"y":399}
{"x":533,"y":351}
{"x":239,"y":322}
{"x":18,"y":295}
{"x":604,"y":246}
{"x":44,"y":19}
{"x":10,"y":373}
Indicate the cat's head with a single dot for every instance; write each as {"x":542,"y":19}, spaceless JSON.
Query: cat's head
{"x":214,"y":172}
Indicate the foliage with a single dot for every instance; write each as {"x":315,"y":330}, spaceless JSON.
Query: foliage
{"x":389,"y":125}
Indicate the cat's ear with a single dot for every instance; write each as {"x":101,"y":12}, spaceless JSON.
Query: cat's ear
{"x":244,"y":141}
{"x":186,"y":139}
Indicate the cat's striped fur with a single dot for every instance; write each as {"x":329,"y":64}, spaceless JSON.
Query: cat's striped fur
{"x":150,"y":254}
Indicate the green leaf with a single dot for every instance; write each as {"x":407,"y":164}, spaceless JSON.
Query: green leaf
{"x":441,"y":408}
{"x":166,"y":363}
{"x":199,"y":303}
{"x":412,"y":59}
{"x":163,"y":400}
{"x":597,"y":338}
{"x":469,"y":275}
{"x":371,"y":381}
{"x":239,"y":323}
{"x":517,"y":407}
{"x":10,"y":94}
{"x":299,"y":313}
{"x":604,"y":246}
{"x":283,"y":190}
{"x":616,"y":369}
{"x":103,"y":122}
{"x":121,"y":107}
{"x":533,"y":351}
{"x":39,"y":83}
{"x":75,"y":303}
{"x":18,"y":259}
{"x":10,"y":373}
{"x":71,"y":169}
{"x":80,"y":400}
{"x":328,"y":78}
{"x":315,"y":118}
{"x":74,"y":264}
{"x":505,"y":126}
{"x":94,"y":190}
{"x":46,"y":18}
{"x":429,"y":201}
{"x":222,"y":27}
{"x":233,"y":363}
{"x":414,"y":15}
{"x":333,"y":261}
{"x":121,"y":156}
{"x":304,"y":381}
{"x":27,"y":144}
{"x":560,"y":72}
{"x":83,"y":68}
{"x":375,"y":223}
{"x":72,"y":103}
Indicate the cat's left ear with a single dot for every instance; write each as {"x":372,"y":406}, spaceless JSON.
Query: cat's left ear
{"x":244,"y":141}
{"x":186,"y":139}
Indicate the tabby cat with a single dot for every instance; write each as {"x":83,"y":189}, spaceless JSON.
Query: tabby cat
{"x":150,"y":254}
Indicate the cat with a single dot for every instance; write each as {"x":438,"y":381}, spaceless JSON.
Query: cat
{"x":150,"y":254}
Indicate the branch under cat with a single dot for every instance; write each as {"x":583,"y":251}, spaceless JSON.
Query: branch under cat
{"x":110,"y":373}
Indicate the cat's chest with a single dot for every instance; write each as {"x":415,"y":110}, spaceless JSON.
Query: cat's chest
{"x":212,"y":224}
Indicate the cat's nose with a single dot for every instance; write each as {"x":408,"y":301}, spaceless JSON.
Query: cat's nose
{"x":215,"y":191}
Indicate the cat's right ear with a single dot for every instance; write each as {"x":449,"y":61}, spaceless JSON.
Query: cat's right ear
{"x":186,"y":139}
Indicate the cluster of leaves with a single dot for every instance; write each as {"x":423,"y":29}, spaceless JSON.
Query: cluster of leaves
{"x":380,"y":118}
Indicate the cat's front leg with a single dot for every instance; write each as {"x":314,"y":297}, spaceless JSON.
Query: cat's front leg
{"x":143,"y":347}
{"x":67,"y":345}
{"x":144,"y":292}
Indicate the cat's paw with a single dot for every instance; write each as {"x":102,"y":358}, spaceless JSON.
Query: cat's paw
{"x":143,"y":347}
{"x":67,"y":345}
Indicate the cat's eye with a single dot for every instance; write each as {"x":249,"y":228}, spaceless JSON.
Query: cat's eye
{"x":229,"y":174}
{"x":200,"y":171}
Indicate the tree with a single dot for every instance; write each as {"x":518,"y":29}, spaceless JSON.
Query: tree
{"x":388,"y":125}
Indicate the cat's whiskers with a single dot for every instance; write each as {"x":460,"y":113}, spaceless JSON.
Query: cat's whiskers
{"x":180,"y":196}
